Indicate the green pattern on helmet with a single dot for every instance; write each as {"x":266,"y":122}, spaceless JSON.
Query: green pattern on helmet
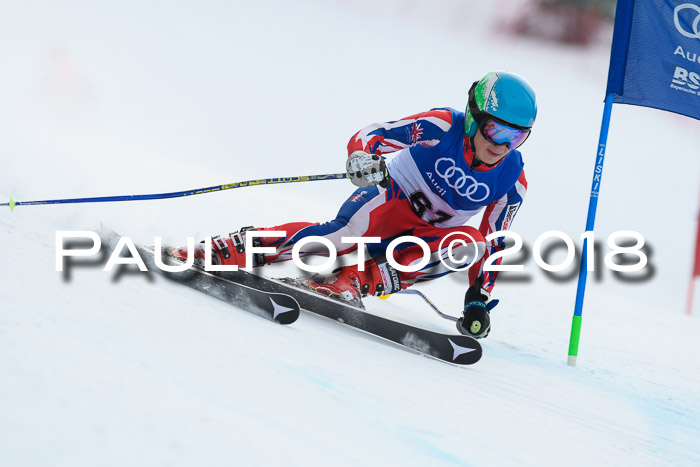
{"x":468,"y":123}
{"x":486,"y":101}
{"x":481,"y":95}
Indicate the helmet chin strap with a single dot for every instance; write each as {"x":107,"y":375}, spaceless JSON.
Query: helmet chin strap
{"x":476,"y":162}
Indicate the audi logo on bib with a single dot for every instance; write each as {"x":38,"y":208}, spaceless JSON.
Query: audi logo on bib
{"x":465,"y":185}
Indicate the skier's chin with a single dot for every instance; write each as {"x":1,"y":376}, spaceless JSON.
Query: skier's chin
{"x":491,"y":157}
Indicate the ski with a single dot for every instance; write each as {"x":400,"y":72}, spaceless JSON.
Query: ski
{"x":276,"y":306}
{"x":281,"y":302}
{"x":457,"y":349}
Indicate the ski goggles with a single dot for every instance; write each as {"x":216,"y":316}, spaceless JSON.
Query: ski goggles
{"x":497,"y":133}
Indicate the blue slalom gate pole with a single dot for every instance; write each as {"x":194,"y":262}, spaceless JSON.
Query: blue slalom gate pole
{"x":177,"y":194}
{"x":590,"y":222}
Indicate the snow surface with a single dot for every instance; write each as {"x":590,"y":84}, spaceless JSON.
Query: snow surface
{"x":130,"y":97}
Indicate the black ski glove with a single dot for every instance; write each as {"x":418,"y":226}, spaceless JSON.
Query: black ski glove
{"x":476,"y":320}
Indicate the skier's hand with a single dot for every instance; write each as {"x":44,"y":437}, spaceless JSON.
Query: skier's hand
{"x":476,"y":320}
{"x":367,"y":169}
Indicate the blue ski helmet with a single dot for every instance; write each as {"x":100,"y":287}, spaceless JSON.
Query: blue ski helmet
{"x":503,"y":95}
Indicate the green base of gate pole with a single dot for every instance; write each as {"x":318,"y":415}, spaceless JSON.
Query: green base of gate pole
{"x":573,"y":341}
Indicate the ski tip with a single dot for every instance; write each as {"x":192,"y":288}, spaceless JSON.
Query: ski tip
{"x":12,"y":204}
{"x":465,"y":351}
{"x":571,"y":361}
{"x":384,"y":297}
{"x":285,"y":309}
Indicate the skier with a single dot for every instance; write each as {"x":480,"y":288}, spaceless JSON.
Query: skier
{"x":423,"y":176}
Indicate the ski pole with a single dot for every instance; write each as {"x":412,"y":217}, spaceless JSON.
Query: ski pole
{"x":432,"y":305}
{"x":177,"y":194}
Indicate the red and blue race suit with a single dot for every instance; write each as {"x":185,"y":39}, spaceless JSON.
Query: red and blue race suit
{"x":436,"y":187}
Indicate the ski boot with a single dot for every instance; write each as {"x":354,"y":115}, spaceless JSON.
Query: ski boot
{"x":225,"y":251}
{"x":350,"y":285}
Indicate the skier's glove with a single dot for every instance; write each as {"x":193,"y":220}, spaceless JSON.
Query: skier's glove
{"x":476,"y":321}
{"x":367,"y":170}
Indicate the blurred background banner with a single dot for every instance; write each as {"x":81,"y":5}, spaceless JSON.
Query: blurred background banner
{"x":655,"y":57}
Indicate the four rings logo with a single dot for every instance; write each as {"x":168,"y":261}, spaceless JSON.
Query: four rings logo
{"x":695,"y":26}
{"x":464,"y":184}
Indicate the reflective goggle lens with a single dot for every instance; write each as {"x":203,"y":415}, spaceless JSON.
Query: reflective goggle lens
{"x":498,"y":133}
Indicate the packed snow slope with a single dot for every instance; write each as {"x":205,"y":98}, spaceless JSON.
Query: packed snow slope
{"x":102,"y":368}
